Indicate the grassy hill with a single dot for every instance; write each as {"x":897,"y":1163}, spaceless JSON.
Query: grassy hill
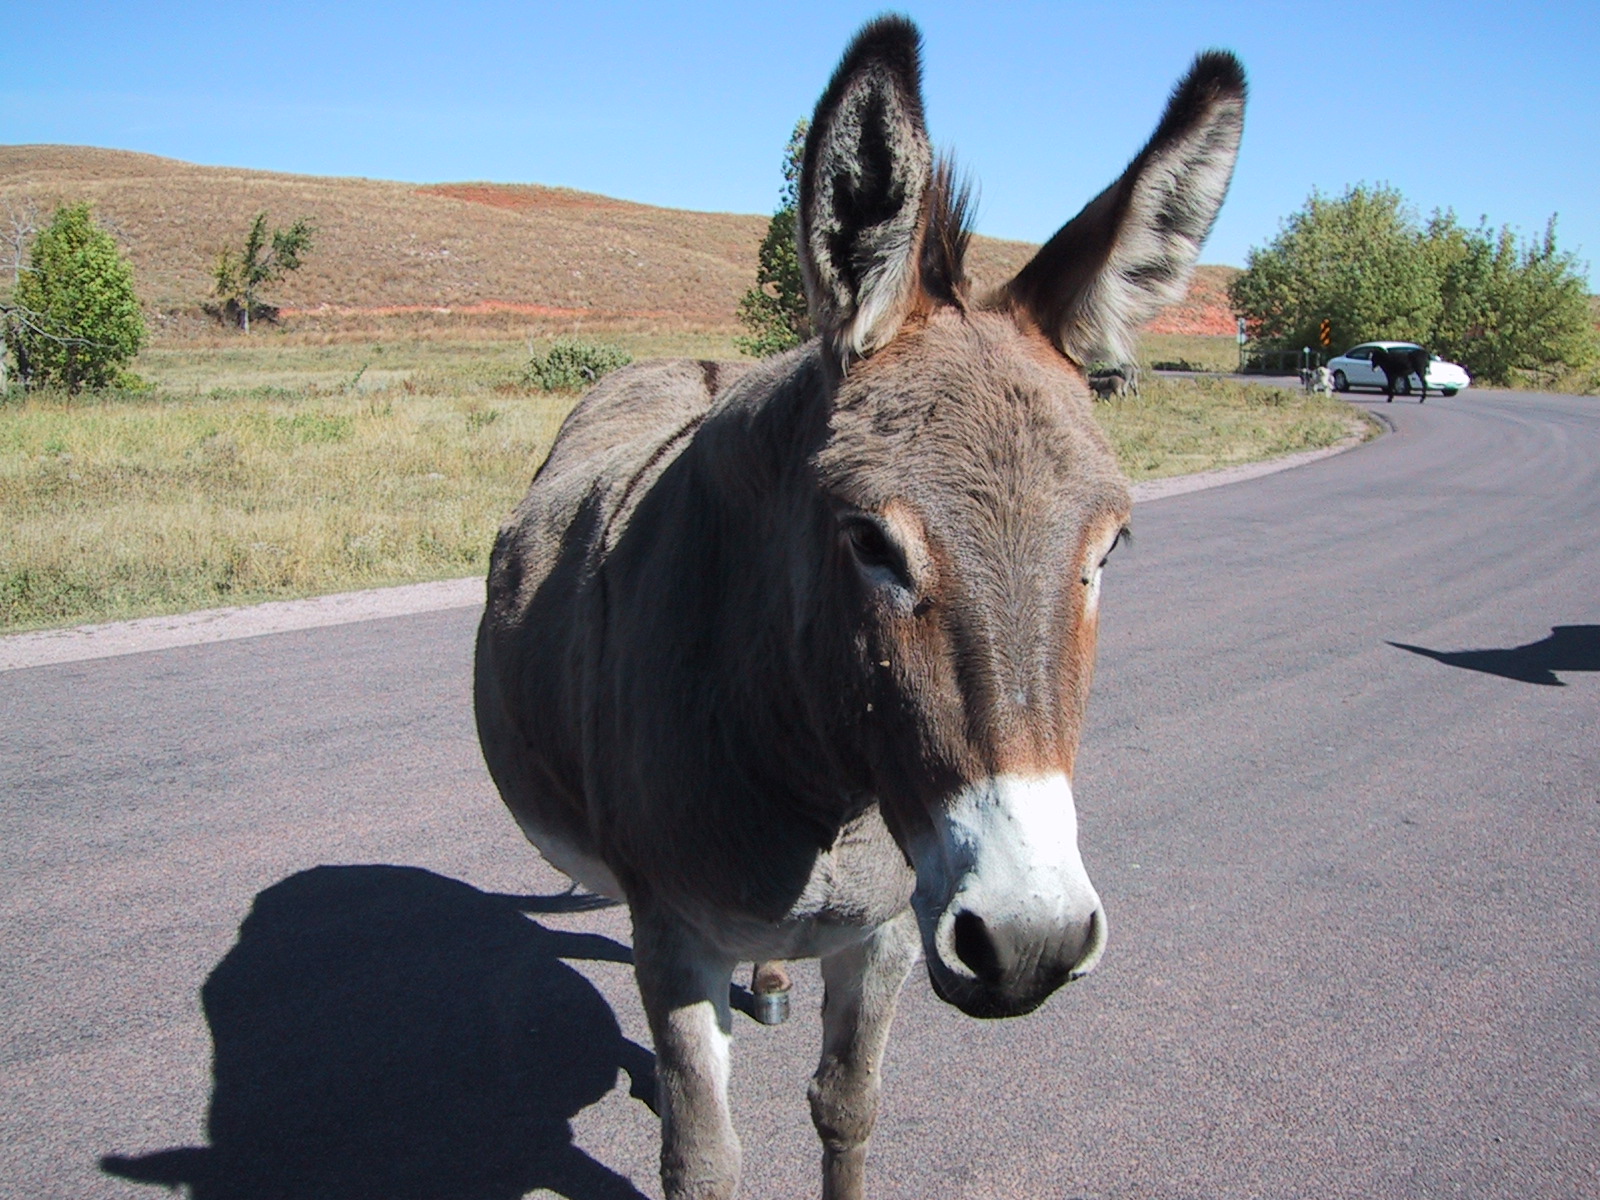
{"x":493,"y":255}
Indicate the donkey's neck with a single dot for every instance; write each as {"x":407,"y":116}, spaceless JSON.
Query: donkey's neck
{"x":758,"y":522}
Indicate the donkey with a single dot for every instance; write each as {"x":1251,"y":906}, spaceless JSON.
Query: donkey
{"x":794,"y":659}
{"x":1398,"y":365}
{"x":1119,"y":380}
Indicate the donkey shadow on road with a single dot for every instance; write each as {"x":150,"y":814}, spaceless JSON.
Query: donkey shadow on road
{"x":1568,"y":648}
{"x":383,"y":1031}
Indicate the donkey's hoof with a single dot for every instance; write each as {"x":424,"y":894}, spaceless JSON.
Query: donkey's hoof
{"x":771,"y":1008}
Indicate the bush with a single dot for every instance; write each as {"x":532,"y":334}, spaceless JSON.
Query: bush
{"x":1365,"y":264}
{"x":74,"y":319}
{"x":1510,"y":308}
{"x":1356,"y":261}
{"x":571,"y":364}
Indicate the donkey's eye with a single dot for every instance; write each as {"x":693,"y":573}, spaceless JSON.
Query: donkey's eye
{"x":872,"y":547}
{"x":1123,"y":535}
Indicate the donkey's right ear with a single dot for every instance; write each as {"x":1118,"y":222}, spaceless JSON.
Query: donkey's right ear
{"x":867,"y":167}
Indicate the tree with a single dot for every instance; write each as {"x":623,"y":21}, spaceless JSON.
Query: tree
{"x":775,"y":310}
{"x":1355,"y":261}
{"x":73,"y":318}
{"x":20,"y":224}
{"x":1364,"y":263}
{"x":264,"y":259}
{"x":1508,"y":307}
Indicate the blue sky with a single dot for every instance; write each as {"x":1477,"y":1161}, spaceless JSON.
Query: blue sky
{"x":1490,"y":109}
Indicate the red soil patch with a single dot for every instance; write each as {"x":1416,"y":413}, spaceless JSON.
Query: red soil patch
{"x":1208,"y":321}
{"x":1205,"y":311}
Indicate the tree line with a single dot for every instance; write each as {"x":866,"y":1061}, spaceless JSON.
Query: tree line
{"x":1501,"y":306}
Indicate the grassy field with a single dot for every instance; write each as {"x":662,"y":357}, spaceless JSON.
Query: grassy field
{"x":271,"y":469}
{"x":474,"y":253}
{"x":1179,"y":426}
{"x":1190,"y":352}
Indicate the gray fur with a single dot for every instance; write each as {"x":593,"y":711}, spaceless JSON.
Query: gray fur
{"x":858,"y":273}
{"x":795,"y":659}
{"x":1132,"y":249}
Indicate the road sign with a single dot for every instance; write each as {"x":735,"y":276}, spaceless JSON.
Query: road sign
{"x":1325,"y":335}
{"x":1241,"y":331}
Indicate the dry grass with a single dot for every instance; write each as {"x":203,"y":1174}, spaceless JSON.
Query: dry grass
{"x":126,"y":507}
{"x":1191,"y":351}
{"x":381,"y":431}
{"x":443,"y":261}
{"x":268,"y":470}
{"x":382,"y":245}
{"x":396,"y":258}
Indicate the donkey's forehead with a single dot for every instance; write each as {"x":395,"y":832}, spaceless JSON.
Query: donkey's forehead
{"x":967,"y":405}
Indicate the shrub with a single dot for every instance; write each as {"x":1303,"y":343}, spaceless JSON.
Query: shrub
{"x":1510,"y":307}
{"x":572,"y":364}
{"x":1364,"y":263}
{"x":74,"y":319}
{"x":1355,"y":261}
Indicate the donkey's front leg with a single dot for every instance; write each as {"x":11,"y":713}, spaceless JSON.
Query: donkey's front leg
{"x":684,"y":985}
{"x":861,"y":986}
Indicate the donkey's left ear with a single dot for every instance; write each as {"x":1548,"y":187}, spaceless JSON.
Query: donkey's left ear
{"x":1133,"y":247}
{"x":867,"y":168}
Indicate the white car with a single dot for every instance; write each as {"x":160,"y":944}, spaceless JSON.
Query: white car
{"x":1354,"y":369}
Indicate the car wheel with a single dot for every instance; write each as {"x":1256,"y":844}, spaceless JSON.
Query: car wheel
{"x":1405,"y":386}
{"x":1340,"y":383}
{"x":1447,"y":391}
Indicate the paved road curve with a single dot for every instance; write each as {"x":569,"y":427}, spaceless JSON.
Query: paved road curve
{"x":1341,"y":793}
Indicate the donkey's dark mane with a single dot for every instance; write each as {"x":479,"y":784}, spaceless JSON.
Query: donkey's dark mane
{"x":944,"y":250}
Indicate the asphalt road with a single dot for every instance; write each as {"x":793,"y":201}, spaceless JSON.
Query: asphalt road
{"x":1340,"y":792}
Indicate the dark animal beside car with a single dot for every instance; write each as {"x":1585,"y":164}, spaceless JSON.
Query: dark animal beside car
{"x":1398,"y":366}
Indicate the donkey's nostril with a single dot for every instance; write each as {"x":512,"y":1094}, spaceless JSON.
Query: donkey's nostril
{"x":976,"y":948}
{"x":1091,"y":946}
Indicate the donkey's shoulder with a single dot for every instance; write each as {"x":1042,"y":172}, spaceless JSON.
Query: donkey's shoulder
{"x":621,"y":435}
{"x":630,"y":414}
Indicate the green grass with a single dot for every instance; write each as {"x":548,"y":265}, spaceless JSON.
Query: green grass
{"x":266,"y":470}
{"x":1178,"y":426}
{"x":1199,"y":351}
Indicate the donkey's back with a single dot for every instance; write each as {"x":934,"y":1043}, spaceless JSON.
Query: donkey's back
{"x":529,"y":693}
